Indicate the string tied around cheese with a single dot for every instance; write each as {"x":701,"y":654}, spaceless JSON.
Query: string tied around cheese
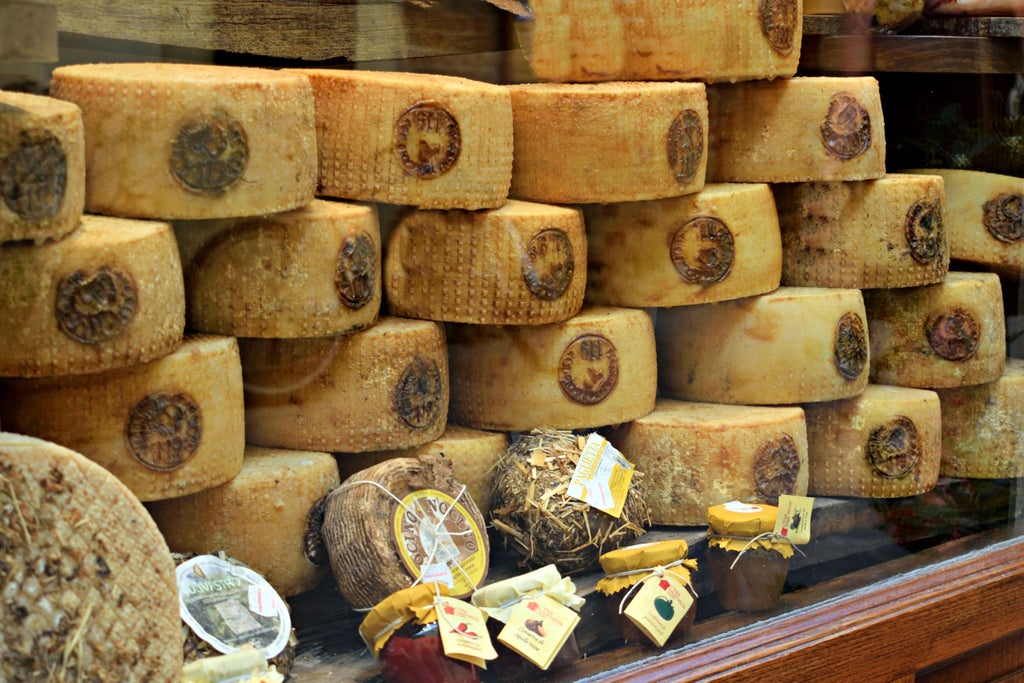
{"x":750,"y":541}
{"x":651,"y":573}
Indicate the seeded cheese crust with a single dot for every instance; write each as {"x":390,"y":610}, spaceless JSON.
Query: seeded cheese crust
{"x":439,"y":142}
{"x":883,"y":233}
{"x":720,"y":243}
{"x":608,"y":142}
{"x":166,"y":428}
{"x":88,"y":582}
{"x":109,"y":295}
{"x":192,"y":141}
{"x":796,"y":130}
{"x":522,"y":264}
{"x":42,"y":167}
{"x":311,"y":272}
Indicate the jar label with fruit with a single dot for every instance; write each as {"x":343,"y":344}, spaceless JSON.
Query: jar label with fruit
{"x":659,"y":605}
{"x":537,"y":629}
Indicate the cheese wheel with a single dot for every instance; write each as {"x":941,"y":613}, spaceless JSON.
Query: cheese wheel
{"x":720,"y":243}
{"x":796,"y":130}
{"x":439,"y":142}
{"x":311,"y":272}
{"x":42,"y":167}
{"x":883,"y":233}
{"x":597,"y":368}
{"x":380,"y":388}
{"x":268,"y":516}
{"x":794,"y":345}
{"x":192,"y":140}
{"x":166,"y":428}
{"x":88,"y":582}
{"x":981,"y":427}
{"x":604,"y":40}
{"x":938,"y":336}
{"x":884,"y":443}
{"x":522,"y":264}
{"x":608,"y":142}
{"x":701,"y":454}
{"x":985,"y":214}
{"x":110,"y":294}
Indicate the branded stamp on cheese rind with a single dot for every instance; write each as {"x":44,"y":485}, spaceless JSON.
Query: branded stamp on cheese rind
{"x":924,"y":231}
{"x":779,"y":20}
{"x":210,"y":153}
{"x":686,"y":145}
{"x":548,"y":264}
{"x":702,"y":250}
{"x":776,"y":467}
{"x":164,"y":430}
{"x":955,"y":336}
{"x":1003,"y":216}
{"x":427,"y":139}
{"x":418,"y":394}
{"x":96,"y":307}
{"x":893,"y":449}
{"x":33,"y":177}
{"x":355,"y":277}
{"x":846,"y":130}
{"x":588,"y":370}
{"x":850,"y":346}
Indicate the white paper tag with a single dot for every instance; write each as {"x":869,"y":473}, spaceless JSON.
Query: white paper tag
{"x":438,"y":573}
{"x":602,"y":476}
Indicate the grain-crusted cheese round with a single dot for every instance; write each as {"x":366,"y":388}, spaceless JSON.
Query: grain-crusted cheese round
{"x":794,"y":345}
{"x":597,"y":368}
{"x":702,"y":454}
{"x":192,"y":141}
{"x":311,"y":272}
{"x":938,"y":336}
{"x":384,"y":387}
{"x":268,"y":515}
{"x":427,"y":140}
{"x":869,"y":234}
{"x":608,"y":142}
{"x":110,"y":294}
{"x":720,"y":243}
{"x":87,"y":579}
{"x":166,"y":428}
{"x":796,"y":130}
{"x":522,"y":264}
{"x":884,"y":443}
{"x":647,"y":40}
{"x":42,"y":167}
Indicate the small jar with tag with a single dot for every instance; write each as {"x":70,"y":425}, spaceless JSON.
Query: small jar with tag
{"x":747,"y":560}
{"x":402,"y":633}
{"x":664,"y":565}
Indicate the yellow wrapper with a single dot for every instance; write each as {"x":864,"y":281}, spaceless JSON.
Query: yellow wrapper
{"x":732,"y":526}
{"x":499,"y":599}
{"x":625,"y":567}
{"x":397,"y":610}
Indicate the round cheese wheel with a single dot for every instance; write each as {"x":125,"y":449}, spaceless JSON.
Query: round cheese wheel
{"x":794,"y":345}
{"x":42,"y":167}
{"x":166,"y":428}
{"x":522,"y":264}
{"x":383,"y":387}
{"x":597,"y":368}
{"x":167,"y":140}
{"x":311,"y":272}
{"x":884,"y":443}
{"x":868,"y":234}
{"x":701,"y":454}
{"x":720,"y":243}
{"x":110,"y":294}
{"x":88,"y":582}
{"x":439,"y":142}
{"x":608,"y":142}
{"x":796,"y":130}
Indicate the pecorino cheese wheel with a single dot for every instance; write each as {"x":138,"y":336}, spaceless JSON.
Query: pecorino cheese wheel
{"x":679,"y":40}
{"x":384,"y":387}
{"x":796,"y":130}
{"x":794,"y":345}
{"x":438,"y":142}
{"x":166,"y":428}
{"x":597,"y":368}
{"x":869,"y":234}
{"x":522,"y":264}
{"x":884,"y":443}
{"x":938,"y":336}
{"x":703,"y":454}
{"x":110,"y":294}
{"x":88,"y":582}
{"x":268,"y":516}
{"x":192,"y":141}
{"x":608,"y":142}
{"x":311,"y":272}
{"x":717,"y":244}
{"x":42,"y":167}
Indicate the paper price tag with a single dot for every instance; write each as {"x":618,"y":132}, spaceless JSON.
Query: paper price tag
{"x":659,"y":605}
{"x":794,"y":520}
{"x":537,"y":629}
{"x":602,"y":476}
{"x":463,"y":632}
